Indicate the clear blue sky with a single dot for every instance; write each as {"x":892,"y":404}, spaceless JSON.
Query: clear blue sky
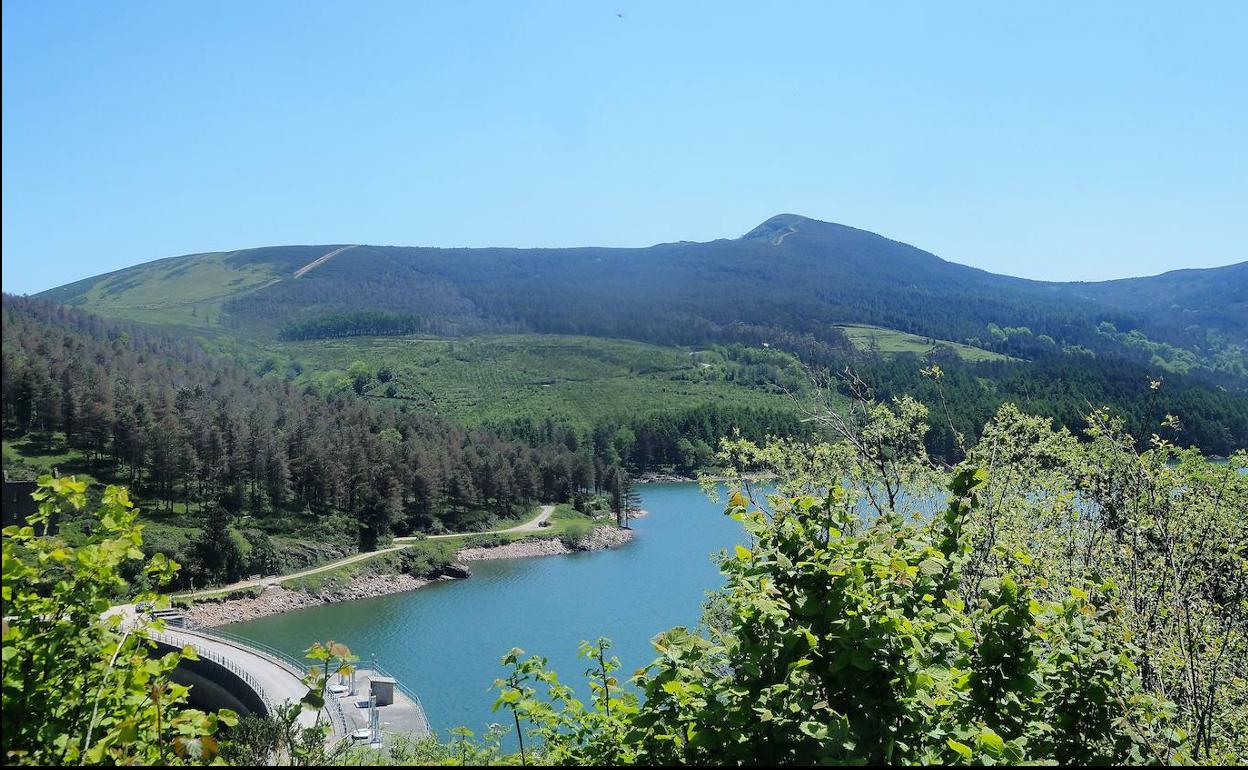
{"x":1058,"y":141}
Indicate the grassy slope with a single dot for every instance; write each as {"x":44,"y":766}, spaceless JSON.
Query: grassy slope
{"x":492,"y":378}
{"x":183,"y":291}
{"x":476,"y":380}
{"x":892,"y":342}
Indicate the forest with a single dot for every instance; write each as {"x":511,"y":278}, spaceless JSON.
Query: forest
{"x":1170,"y":345}
{"x":352,"y":325}
{"x":1064,"y":389}
{"x":814,"y":275}
{"x":1047,"y":601}
{"x":230,"y":465}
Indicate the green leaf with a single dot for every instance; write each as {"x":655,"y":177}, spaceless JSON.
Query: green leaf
{"x":314,"y":700}
{"x":961,"y":748}
{"x":992,"y":742}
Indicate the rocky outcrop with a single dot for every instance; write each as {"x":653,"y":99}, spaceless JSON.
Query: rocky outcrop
{"x":654,"y":477}
{"x":272,"y":601}
{"x":455,"y":572}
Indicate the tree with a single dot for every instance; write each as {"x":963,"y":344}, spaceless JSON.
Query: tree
{"x":220,"y":549}
{"x":80,"y":687}
{"x":361,"y":374}
{"x":380,"y":506}
{"x":624,"y":496}
{"x":857,"y":648}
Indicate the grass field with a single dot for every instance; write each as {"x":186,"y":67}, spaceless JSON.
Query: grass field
{"x":180,"y":291}
{"x":892,"y":342}
{"x":496,"y":378}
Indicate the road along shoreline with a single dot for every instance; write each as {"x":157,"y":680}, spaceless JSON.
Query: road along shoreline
{"x":255,"y":602}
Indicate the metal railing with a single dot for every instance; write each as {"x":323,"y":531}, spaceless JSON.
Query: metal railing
{"x":409,"y":692}
{"x":338,"y":719}
{"x":286,"y":661}
{"x":336,"y":715}
{"x":179,"y":642}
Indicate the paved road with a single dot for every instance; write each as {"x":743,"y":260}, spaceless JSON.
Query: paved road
{"x":532,"y":525}
{"x":403,"y":542}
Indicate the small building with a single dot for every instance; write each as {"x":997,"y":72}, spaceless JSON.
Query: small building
{"x":17,"y":504}
{"x":381,"y":688}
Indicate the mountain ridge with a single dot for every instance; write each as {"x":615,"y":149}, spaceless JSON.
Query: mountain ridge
{"x":791,"y":276}
{"x":753,"y":234}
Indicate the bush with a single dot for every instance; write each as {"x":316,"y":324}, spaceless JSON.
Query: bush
{"x":76,"y":689}
{"x":424,"y":559}
{"x":575,"y":533}
{"x":843,"y":648}
{"x":254,"y":741}
{"x":492,"y":540}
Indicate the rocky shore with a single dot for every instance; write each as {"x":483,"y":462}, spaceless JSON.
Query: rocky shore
{"x":653,"y":477}
{"x":274,"y":599}
{"x":602,"y":537}
{"x":662,"y":478}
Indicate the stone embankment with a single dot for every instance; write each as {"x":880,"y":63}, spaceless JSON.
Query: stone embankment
{"x":602,"y":537}
{"x":663,"y":478}
{"x":273,"y":599}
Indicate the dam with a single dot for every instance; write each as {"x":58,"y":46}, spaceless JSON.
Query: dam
{"x":250,"y":678}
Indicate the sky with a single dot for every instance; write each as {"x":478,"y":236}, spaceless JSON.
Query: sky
{"x":1050,"y":140}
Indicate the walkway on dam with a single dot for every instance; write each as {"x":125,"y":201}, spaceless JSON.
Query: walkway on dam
{"x":277,"y":679}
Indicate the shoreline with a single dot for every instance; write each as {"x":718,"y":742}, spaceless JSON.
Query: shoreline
{"x":600,"y":538}
{"x":676,"y":478}
{"x":274,"y":599}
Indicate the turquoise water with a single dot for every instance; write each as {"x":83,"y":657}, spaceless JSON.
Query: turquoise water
{"x":445,"y":640}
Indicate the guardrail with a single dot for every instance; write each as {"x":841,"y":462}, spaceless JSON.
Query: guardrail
{"x":337,"y":718}
{"x":299,"y":669}
{"x":227,"y":664}
{"x":340,"y":718}
{"x":410,"y":693}
{"x":294,"y":666}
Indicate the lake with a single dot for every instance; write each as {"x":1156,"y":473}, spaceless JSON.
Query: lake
{"x":444,"y":641}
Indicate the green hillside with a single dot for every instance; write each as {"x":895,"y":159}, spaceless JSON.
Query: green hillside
{"x":574,"y":380}
{"x":583,"y":335}
{"x":186,"y":291}
{"x":789,"y":282}
{"x":890,"y":342}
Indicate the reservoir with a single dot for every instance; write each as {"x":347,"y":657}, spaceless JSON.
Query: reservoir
{"x":444,"y":641}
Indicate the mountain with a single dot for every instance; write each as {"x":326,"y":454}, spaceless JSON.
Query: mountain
{"x":790,"y":279}
{"x":1211,"y":298}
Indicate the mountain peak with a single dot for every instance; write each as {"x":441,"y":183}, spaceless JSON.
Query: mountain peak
{"x":779,"y":227}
